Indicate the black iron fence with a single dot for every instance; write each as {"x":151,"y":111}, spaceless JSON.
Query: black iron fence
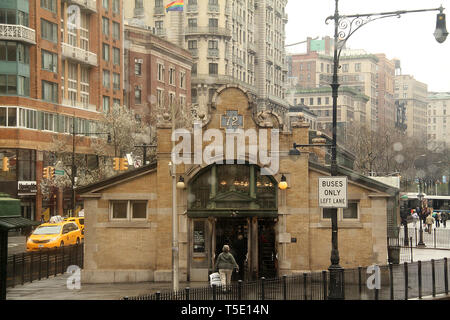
{"x":437,"y":238}
{"x":391,"y":282}
{"x":30,"y":266}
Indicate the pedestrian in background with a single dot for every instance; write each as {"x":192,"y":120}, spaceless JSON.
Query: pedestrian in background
{"x":415,"y":217}
{"x":444,"y":217}
{"x":225,"y":264}
{"x":429,"y":222}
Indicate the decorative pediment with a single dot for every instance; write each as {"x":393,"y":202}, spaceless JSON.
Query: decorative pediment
{"x":232,"y":196}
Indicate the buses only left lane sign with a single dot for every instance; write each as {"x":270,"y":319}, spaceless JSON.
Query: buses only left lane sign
{"x":333,"y":192}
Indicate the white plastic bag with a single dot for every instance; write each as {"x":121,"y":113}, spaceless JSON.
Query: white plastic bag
{"x":214,"y":279}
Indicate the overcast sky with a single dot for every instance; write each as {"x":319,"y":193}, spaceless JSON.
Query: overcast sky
{"x":409,"y":38}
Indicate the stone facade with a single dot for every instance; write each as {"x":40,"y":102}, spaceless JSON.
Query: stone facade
{"x":140,"y":250}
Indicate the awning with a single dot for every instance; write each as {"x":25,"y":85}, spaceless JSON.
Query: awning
{"x":16,"y":222}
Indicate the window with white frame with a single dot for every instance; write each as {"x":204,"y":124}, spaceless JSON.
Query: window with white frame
{"x":172,"y":76}
{"x":349,"y":213}
{"x":182,"y":79}
{"x":160,"y":97}
{"x":127,"y":210}
{"x":160,"y":72}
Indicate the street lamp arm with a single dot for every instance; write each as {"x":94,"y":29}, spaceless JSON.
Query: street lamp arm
{"x":349,"y":24}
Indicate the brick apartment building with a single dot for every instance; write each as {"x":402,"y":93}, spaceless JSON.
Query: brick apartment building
{"x":158,"y":73}
{"x":59,"y":60}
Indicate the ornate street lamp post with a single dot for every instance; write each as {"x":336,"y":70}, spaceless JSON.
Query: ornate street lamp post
{"x":344,"y":27}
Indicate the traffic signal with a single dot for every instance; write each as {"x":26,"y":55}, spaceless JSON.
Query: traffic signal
{"x":45,"y":174}
{"x":123,"y":164}
{"x":5,"y":164}
{"x":116,"y":164}
{"x":51,"y":172}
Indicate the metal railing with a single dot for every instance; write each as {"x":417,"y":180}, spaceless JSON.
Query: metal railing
{"x":36,"y":265}
{"x":17,"y":33}
{"x":79,"y":54}
{"x":395,"y":282}
{"x":436,"y":238}
{"x":208,"y":30}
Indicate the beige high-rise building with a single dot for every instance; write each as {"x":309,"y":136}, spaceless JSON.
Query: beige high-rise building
{"x":232,"y":41}
{"x":371,"y":75}
{"x":438,"y":132}
{"x":412,"y":94}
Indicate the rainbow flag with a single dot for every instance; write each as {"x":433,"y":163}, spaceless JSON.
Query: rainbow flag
{"x":175,"y":6}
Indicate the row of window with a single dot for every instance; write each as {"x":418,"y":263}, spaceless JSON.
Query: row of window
{"x":115,"y":28}
{"x":107,"y":80}
{"x":311,"y":101}
{"x":18,"y":117}
{"x":11,"y":84}
{"x":115,"y":5}
{"x":161,"y":72}
{"x":115,"y":54}
{"x":12,"y":16}
{"x":137,"y":210}
{"x":14,"y":52}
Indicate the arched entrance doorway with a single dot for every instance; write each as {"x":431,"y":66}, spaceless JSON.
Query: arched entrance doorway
{"x":233,"y":204}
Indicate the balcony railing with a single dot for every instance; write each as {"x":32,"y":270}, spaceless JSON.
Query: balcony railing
{"x":160,"y":32}
{"x":208,"y":30}
{"x":79,"y":54}
{"x":221,"y":79}
{"x":213,"y":8}
{"x":191,"y":8}
{"x":89,"y":5}
{"x":194,"y":52}
{"x":79,"y":105}
{"x":213,"y":53}
{"x":17,"y":33}
{"x":158,"y":10}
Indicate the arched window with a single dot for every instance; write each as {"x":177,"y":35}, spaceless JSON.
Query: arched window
{"x":236,"y":186}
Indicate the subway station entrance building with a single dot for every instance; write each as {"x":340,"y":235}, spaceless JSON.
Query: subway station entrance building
{"x":272,"y":232}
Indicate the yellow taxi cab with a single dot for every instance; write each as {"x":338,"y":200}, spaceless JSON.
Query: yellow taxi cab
{"x":80,"y":222}
{"x":52,"y":235}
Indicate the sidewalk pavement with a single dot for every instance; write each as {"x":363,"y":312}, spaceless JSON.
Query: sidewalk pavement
{"x":55,"y":288}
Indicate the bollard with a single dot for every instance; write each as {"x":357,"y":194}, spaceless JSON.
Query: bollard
{"x":239,"y":289}
{"x":446,"y":275}
{"x":406,"y":280}
{"x":391,"y":280}
{"x":433,"y":277}
{"x":125,"y":298}
{"x":419,"y":271}
{"x":262,"y":288}
{"x":305,"y":286}
{"x":284,"y":287}
{"x":377,"y":293}
{"x":158,"y":295}
{"x":187,"y":292}
{"x":324,"y":282}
